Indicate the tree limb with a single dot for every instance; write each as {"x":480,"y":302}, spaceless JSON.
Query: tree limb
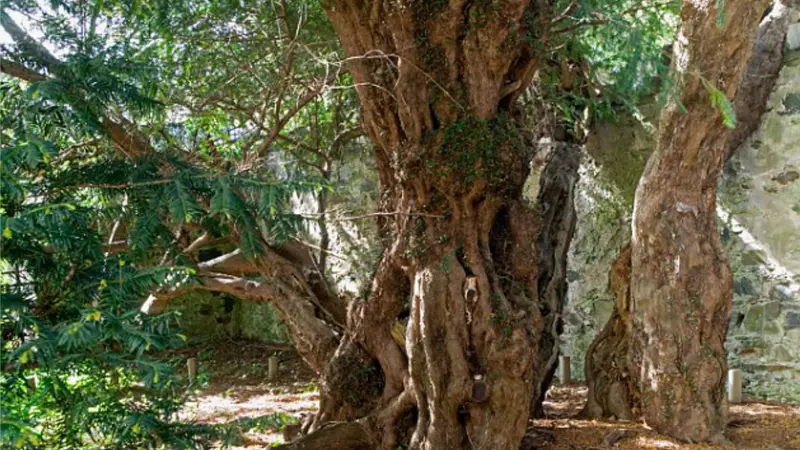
{"x":19,"y":71}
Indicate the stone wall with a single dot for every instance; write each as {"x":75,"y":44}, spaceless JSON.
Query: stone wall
{"x":206,"y":317}
{"x":760,"y":202}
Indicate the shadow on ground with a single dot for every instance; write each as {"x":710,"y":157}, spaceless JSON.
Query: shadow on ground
{"x":236,"y":395}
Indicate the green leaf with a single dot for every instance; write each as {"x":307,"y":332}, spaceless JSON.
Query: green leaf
{"x":182,"y":205}
{"x":721,"y":103}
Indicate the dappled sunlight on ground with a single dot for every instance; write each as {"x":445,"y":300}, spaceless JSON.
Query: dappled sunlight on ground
{"x":218,"y":408}
{"x":234,"y":392}
{"x":237,"y":395}
{"x":752,"y":426}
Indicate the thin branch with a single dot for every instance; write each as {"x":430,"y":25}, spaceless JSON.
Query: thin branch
{"x":600,"y":20}
{"x":375,"y":214}
{"x":378,"y":54}
{"x":570,"y":8}
{"x":197,"y":243}
{"x":112,"y":186}
{"x":302,"y":102}
{"x":342,"y":138}
{"x":229,"y":263}
{"x":304,"y":146}
{"x":328,"y":252}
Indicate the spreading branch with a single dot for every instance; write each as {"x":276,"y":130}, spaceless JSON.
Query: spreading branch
{"x":121,"y":131}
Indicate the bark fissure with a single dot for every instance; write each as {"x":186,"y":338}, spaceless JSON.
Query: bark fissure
{"x":462,"y":259}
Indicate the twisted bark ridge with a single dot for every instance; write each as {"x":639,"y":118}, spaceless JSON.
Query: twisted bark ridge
{"x":681,"y":284}
{"x":613,"y":387}
{"x":558,"y":218}
{"x":436,"y":82}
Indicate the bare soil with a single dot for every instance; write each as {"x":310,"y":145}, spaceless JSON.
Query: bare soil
{"x":237,"y":393}
{"x":752,"y":425}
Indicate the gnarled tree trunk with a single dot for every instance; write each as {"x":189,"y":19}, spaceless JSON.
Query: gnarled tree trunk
{"x":681,"y":284}
{"x":558,"y":218}
{"x":613,"y":387}
{"x":436,"y":81}
{"x":610,"y":373}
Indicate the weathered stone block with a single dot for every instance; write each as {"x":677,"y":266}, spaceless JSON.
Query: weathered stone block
{"x":743,"y":286}
{"x":791,"y":104}
{"x":782,"y":353}
{"x":754,"y":319}
{"x":754,"y":258}
{"x":772,"y":310}
{"x":792,"y":321}
{"x":793,"y":336}
{"x":792,"y":59}
{"x":782,"y":293}
{"x":771,"y":328}
{"x":793,"y":37}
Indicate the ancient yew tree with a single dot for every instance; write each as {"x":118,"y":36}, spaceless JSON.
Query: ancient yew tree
{"x":663,"y":349}
{"x":455,"y":343}
{"x":437,"y":82}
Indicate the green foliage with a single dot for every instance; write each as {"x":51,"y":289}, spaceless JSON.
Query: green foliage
{"x":89,"y":230}
{"x":720,"y":101}
{"x":613,"y":51}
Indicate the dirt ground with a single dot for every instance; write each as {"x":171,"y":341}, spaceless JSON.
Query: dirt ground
{"x":234,"y":393}
{"x":752,"y":426}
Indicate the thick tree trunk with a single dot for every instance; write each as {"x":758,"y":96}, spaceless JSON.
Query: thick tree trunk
{"x":436,"y":81}
{"x":681,"y":284}
{"x":613,"y":388}
{"x":464,"y":269}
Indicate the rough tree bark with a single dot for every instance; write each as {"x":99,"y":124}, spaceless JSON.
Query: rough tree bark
{"x":762,"y":71}
{"x":613,"y":387}
{"x":555,"y":203}
{"x":436,"y":82}
{"x":681,"y":284}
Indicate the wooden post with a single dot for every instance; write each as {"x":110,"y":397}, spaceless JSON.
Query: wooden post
{"x":31,"y":382}
{"x":564,"y":370}
{"x":735,"y":386}
{"x":272,"y":367}
{"x":191,"y":365}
